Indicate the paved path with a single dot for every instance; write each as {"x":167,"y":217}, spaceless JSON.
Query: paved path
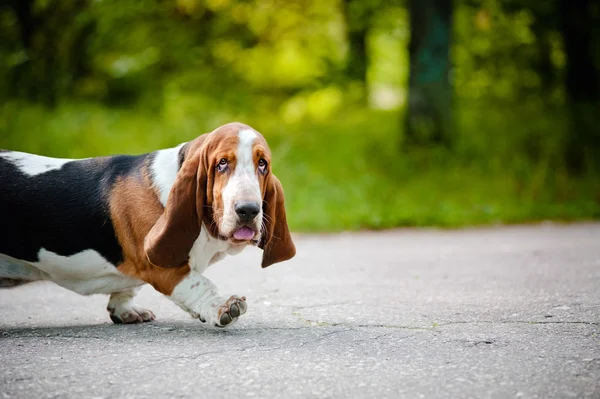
{"x":500,"y":313}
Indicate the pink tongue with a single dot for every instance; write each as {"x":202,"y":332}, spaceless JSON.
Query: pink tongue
{"x":245,"y":233}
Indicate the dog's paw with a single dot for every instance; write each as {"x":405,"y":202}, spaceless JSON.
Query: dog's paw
{"x":233,"y":308}
{"x":129,"y":314}
{"x":225,"y":313}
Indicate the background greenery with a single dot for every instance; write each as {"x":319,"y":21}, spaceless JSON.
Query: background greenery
{"x":479,"y":111}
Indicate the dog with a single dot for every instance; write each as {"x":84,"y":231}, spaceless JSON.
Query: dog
{"x":108,"y":225}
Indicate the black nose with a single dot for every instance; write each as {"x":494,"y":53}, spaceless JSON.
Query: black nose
{"x":247,"y":210}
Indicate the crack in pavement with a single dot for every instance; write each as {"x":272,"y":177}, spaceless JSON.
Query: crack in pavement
{"x":12,"y":336}
{"x":593,"y":323}
{"x":323,"y":323}
{"x":322,"y":337}
{"x":297,"y":308}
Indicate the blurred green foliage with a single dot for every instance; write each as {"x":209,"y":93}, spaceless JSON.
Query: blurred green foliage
{"x":88,"y":78}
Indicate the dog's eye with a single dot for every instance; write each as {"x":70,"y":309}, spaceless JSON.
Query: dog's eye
{"x":262,"y":165}
{"x":222,"y":166}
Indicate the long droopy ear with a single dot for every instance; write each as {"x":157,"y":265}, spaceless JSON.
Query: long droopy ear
{"x":170,"y":240}
{"x":276,"y":240}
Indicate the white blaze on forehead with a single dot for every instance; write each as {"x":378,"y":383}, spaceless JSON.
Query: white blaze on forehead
{"x":245,"y":158}
{"x":32,"y":165}
{"x":243,"y":184}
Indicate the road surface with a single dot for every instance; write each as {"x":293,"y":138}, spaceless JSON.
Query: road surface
{"x":487,"y":312}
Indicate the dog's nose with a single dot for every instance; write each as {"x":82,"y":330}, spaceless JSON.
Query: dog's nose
{"x":247,"y":211}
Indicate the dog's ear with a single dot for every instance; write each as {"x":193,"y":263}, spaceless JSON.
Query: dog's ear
{"x":276,"y":240}
{"x":170,"y":240}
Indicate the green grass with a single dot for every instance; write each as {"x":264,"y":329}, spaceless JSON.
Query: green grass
{"x":355,"y":177}
{"x":344,"y":174}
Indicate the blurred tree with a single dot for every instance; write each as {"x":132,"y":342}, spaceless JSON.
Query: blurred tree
{"x":582,"y":86}
{"x":542,"y":28}
{"x":53,"y":39}
{"x":543,"y":25}
{"x":357,"y":14}
{"x":429,"y":110}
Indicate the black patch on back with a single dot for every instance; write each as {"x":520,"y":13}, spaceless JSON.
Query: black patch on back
{"x":64,"y":211}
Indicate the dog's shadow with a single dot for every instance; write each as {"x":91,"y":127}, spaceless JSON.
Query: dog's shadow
{"x":109,"y":331}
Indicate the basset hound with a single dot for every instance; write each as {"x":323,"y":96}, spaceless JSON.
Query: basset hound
{"x":111,"y":224}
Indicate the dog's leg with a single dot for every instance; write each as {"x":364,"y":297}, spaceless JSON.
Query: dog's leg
{"x":199,"y":296}
{"x":122,"y":308}
{"x":14,"y":272}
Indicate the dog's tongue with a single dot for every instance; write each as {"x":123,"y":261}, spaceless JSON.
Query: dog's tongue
{"x":245,"y":233}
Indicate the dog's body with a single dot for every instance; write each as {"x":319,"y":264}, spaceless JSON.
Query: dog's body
{"x":111,"y":224}
{"x":56,"y":222}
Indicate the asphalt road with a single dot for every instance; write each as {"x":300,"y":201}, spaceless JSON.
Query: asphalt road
{"x":496,"y":312}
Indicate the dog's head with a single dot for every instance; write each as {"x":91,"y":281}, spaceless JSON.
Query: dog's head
{"x":225,"y":185}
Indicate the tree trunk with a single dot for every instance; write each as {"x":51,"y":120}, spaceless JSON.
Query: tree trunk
{"x":24,"y":12}
{"x":356,"y":69}
{"x":543,"y":62}
{"x":428,"y":119}
{"x":357,"y":16}
{"x":582,"y":86}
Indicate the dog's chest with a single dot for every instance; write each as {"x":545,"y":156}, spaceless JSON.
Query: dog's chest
{"x":208,"y":250}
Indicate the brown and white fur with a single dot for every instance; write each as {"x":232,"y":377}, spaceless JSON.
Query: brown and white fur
{"x":111,"y":224}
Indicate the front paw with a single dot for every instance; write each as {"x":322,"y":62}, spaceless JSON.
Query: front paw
{"x":233,"y":308}
{"x":227,"y":312}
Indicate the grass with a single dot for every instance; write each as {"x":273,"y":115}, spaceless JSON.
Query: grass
{"x":356,"y":177}
{"x":347,"y":173}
